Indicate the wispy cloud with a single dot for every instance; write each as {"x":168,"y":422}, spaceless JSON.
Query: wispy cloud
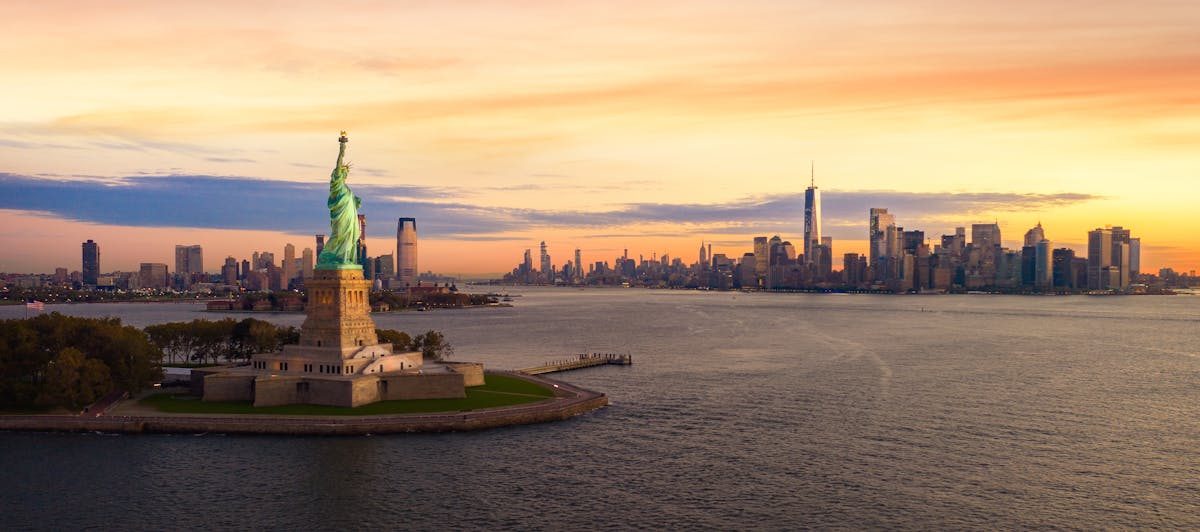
{"x":241,"y":203}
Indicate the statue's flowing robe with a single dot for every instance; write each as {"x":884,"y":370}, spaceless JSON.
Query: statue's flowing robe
{"x":342,"y":247}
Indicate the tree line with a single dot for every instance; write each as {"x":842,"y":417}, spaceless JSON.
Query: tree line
{"x":212,"y":342}
{"x":55,"y":360}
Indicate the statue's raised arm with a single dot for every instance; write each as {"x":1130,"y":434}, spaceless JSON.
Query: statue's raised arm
{"x":341,"y":250}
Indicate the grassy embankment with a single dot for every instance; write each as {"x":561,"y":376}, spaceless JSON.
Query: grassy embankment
{"x":499,"y":390}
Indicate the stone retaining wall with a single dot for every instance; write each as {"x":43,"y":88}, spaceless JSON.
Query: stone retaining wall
{"x":570,"y":401}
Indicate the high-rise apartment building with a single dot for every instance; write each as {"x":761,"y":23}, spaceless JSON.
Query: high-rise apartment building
{"x":812,"y":222}
{"x":406,"y":252}
{"x":91,"y":262}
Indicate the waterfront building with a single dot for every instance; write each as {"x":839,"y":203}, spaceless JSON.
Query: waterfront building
{"x":852,"y":273}
{"x":1028,"y":265}
{"x":1062,"y":261}
{"x":546,"y":270}
{"x":578,"y":265}
{"x":1043,"y":265}
{"x":406,"y":252}
{"x":812,"y":222}
{"x":153,"y":275}
{"x":91,"y":263}
{"x":880,"y":226}
{"x":761,"y":260}
{"x":1121,"y":255}
{"x":525,"y":270}
{"x":748,"y":270}
{"x":1099,"y":258}
{"x":1135,"y":257}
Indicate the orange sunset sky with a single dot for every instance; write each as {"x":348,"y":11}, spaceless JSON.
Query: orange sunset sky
{"x":647,"y":126}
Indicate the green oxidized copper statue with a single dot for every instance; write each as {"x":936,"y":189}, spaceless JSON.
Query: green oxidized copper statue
{"x":341,"y":250}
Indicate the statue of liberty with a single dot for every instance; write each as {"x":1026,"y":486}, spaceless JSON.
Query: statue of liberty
{"x":341,"y":250}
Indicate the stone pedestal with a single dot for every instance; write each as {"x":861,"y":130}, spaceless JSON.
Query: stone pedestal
{"x":339,"y":312}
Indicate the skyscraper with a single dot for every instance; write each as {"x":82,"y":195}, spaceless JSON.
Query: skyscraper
{"x":406,"y":251}
{"x":526,"y":269}
{"x":578,"y":265}
{"x":91,"y":262}
{"x":361,"y":246}
{"x":1099,"y":258}
{"x":320,"y":244}
{"x":881,"y":225}
{"x":985,"y":235}
{"x":189,"y":260}
{"x":762,"y":251}
{"x":229,"y":272}
{"x":1035,"y":235}
{"x":1135,"y":257}
{"x":812,"y":222}
{"x":290,"y":271}
{"x":306,"y":263}
{"x":1122,"y":255}
{"x":546,"y":268}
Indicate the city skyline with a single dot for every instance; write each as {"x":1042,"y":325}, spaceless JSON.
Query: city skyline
{"x":649,"y":128}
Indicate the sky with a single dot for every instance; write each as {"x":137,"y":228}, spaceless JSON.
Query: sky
{"x":642,"y":126}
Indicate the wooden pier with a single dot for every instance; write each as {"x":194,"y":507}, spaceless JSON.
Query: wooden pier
{"x":580,"y":361}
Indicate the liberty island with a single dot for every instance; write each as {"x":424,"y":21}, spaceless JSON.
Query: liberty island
{"x":340,"y":363}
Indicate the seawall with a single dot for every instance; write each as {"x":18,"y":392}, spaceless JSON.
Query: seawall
{"x":569,"y":401}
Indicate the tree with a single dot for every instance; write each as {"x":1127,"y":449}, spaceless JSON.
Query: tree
{"x":252,"y":336}
{"x":73,"y":380}
{"x":400,"y":341}
{"x":432,"y":345}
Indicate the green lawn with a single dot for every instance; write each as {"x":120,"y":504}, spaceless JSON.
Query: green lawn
{"x":500,"y":390}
